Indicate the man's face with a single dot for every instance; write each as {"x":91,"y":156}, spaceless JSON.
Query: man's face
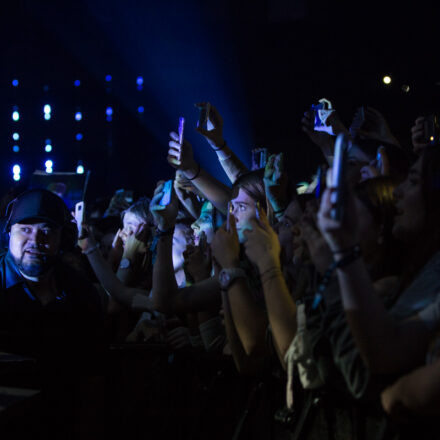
{"x":33,"y":246}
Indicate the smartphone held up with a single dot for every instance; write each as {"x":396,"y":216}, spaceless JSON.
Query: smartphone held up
{"x":339,"y":177}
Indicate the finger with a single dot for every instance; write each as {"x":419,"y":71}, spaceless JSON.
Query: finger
{"x":175,"y":145}
{"x":202,"y":131}
{"x":174,"y":136}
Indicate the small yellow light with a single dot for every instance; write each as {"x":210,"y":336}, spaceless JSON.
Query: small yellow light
{"x":431,"y":138}
{"x":386,"y":80}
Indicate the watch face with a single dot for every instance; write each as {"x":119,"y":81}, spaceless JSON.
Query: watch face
{"x":224,"y":278}
{"x":125,"y":263}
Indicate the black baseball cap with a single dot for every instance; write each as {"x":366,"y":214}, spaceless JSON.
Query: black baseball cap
{"x":38,"y":205}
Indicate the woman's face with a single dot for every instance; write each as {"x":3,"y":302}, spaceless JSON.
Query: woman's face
{"x":204,"y":223}
{"x":130,"y":223}
{"x":244,"y":210}
{"x":411,"y":213}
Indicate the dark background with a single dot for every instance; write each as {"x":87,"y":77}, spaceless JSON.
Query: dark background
{"x":261,"y":63}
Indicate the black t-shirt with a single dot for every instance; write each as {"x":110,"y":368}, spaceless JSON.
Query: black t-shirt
{"x":69,"y":326}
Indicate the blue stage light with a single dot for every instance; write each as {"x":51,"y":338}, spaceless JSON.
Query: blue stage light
{"x":108,"y":78}
{"x":80,"y":169}
{"x":77,"y":83}
{"x":16,"y":177}
{"x":108,"y":111}
{"x":141,"y":109}
{"x":15,"y":83}
{"x":109,"y":118}
{"x":78,"y":116}
{"x":79,"y":136}
{"x":48,"y":148}
{"x":48,"y":163}
{"x":16,"y":169}
{"x":47,"y":116}
{"x":139,"y":81}
{"x":15,"y":148}
{"x":15,"y":115}
{"x":47,"y":109}
{"x":15,"y":136}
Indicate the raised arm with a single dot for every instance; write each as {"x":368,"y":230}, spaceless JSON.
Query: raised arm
{"x":263,"y":248}
{"x":109,"y":281}
{"x":249,"y":319}
{"x":181,"y":157}
{"x":230,"y":163}
{"x":386,"y":346}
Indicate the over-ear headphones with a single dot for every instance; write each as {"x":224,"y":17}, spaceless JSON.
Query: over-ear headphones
{"x":69,"y":232}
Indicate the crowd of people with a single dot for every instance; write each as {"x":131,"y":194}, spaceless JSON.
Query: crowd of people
{"x":346,"y":309}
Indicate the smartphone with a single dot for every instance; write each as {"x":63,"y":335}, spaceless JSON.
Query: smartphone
{"x":79,"y":216}
{"x":259,"y":158}
{"x":320,"y":181}
{"x":339,"y":173}
{"x":432,"y":129}
{"x":204,"y":115}
{"x":166,"y":198}
{"x":181,"y":128}
{"x":323,"y":106}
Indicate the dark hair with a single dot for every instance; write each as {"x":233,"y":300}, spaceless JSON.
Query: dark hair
{"x":431,"y":186}
{"x":253,"y":185}
{"x":141,"y":209}
{"x":398,"y":157}
{"x":377,"y":196}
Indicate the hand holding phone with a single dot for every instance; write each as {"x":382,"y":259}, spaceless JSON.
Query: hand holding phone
{"x":339,"y":184}
{"x":166,"y":198}
{"x":204,"y":115}
{"x":322,"y":111}
{"x":79,"y":216}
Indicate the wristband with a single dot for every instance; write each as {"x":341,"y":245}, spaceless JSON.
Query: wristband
{"x":169,"y":231}
{"x":92,"y":249}
{"x":220,"y":148}
{"x":354,"y":254}
{"x":197,"y":173}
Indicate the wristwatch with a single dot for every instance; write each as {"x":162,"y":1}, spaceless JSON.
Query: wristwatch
{"x":125,"y":263}
{"x":227,"y":276}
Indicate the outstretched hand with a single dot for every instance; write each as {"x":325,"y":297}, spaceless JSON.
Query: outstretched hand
{"x":180,"y":156}
{"x":262,"y":245}
{"x":214,"y":131}
{"x":372,"y":126}
{"x":164,"y":216}
{"x":225,"y":246}
{"x":275,"y":182}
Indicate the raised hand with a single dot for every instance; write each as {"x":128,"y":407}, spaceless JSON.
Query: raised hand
{"x":262,"y":245}
{"x":275,"y":182}
{"x":322,"y":139}
{"x":372,"y":126}
{"x":180,"y":156}
{"x":418,"y":135}
{"x":214,"y":132}
{"x":225,"y":246}
{"x":164,"y":216}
